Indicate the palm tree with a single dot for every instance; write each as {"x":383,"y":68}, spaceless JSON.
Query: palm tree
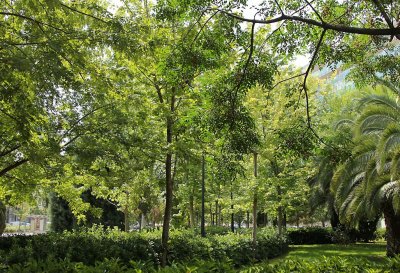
{"x":367,"y":184}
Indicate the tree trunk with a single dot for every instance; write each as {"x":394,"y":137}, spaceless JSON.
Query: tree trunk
{"x":392,"y":222}
{"x":169,"y":185}
{"x":280,"y":212}
{"x":216,"y":213}
{"x":255,"y":205}
{"x":334,"y":217}
{"x":232,"y":215}
{"x":2,"y":217}
{"x":191,"y":210}
{"x":126,"y":220}
{"x":248,"y":219}
{"x":284,"y":224}
{"x":203,"y":190}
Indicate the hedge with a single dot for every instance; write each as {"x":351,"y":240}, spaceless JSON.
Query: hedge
{"x":91,"y":246}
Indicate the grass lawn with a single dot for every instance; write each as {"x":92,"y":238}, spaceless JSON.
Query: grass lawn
{"x":374,"y":252}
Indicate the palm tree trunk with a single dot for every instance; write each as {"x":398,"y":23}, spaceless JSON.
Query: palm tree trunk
{"x":392,"y":221}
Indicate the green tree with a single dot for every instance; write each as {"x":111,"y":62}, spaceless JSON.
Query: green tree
{"x":366,"y":184}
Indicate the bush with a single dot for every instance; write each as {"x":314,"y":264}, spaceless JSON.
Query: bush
{"x":381,"y":234}
{"x":95,"y":244}
{"x":310,"y":236}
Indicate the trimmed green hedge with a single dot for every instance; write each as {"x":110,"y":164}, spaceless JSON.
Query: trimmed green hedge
{"x":311,"y":236}
{"x":94,"y":245}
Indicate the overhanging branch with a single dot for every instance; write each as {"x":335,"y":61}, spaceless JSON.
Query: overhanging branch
{"x":326,"y":26}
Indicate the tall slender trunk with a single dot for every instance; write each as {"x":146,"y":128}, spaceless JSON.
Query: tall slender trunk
{"x":284,"y":222}
{"x":248,"y":219}
{"x":392,"y":222}
{"x":169,"y":185}
{"x":232,"y":215}
{"x":3,"y":218}
{"x":203,"y":190}
{"x":280,"y":212}
{"x":216,"y":213}
{"x":126,"y":220}
{"x":191,"y":209}
{"x":255,"y":203}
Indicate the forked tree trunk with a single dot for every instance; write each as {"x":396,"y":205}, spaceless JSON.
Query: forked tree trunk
{"x":392,"y":222}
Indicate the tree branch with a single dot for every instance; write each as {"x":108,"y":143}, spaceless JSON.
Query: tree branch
{"x":285,"y":80}
{"x":307,"y":73}
{"x":279,"y":7}
{"x":80,"y":119}
{"x":326,"y":26}
{"x":6,"y":152}
{"x":202,"y":27}
{"x":248,"y":58}
{"x":83,"y":13}
{"x":39,"y":23}
{"x":315,"y":11}
{"x":13,"y":166}
{"x":381,"y":9}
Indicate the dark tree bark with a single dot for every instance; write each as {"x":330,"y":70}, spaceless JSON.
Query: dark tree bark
{"x":12,"y":166}
{"x":392,"y":221}
{"x":232,"y":214}
{"x":169,"y":185}
{"x":2,"y":217}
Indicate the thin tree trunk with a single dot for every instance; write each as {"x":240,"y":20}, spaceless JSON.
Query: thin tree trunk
{"x":216,"y":213}
{"x":392,"y":222}
{"x":168,"y":185}
{"x":280,"y":213}
{"x":232,"y":215}
{"x":3,"y":218}
{"x":203,"y":189}
{"x":255,"y":204}
{"x":284,"y":224}
{"x":248,"y":220}
{"x":191,"y":209}
{"x":126,"y":219}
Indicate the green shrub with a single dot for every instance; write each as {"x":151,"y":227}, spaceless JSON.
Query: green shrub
{"x":381,"y":234}
{"x":310,"y":236}
{"x":96,"y":244}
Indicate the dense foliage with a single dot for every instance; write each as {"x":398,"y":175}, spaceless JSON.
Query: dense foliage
{"x":95,"y":245}
{"x":188,"y":113}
